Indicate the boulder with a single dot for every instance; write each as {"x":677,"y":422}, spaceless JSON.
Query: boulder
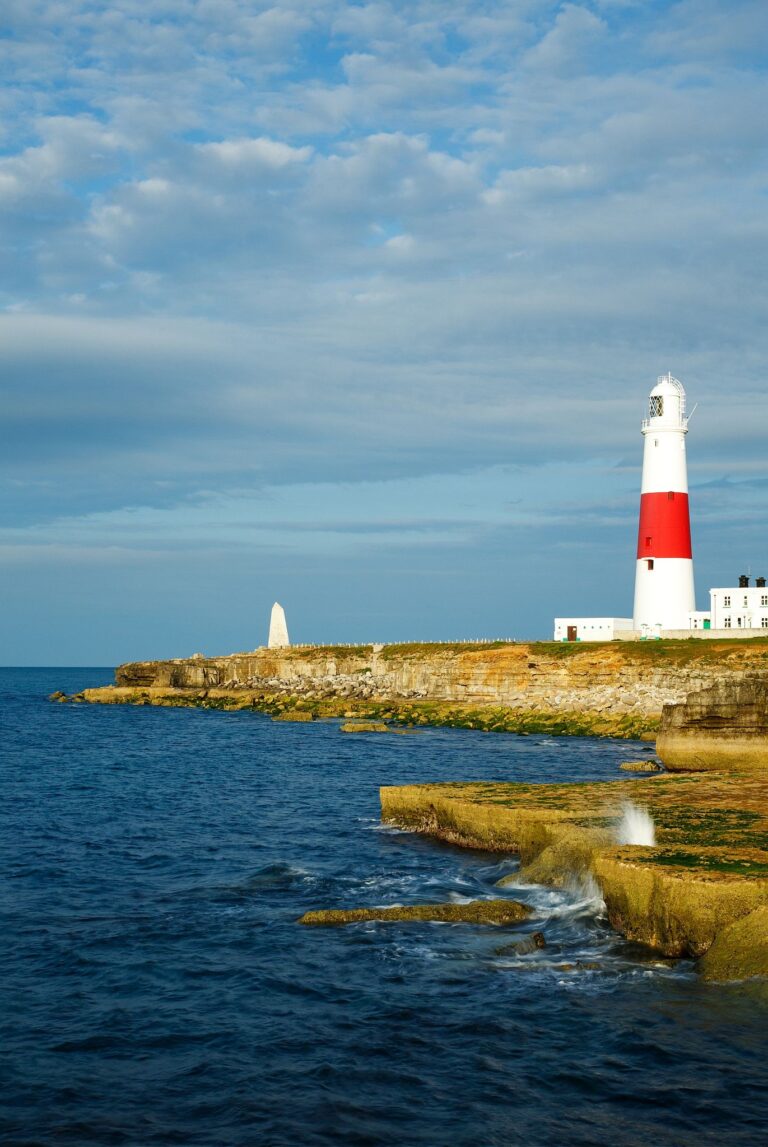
{"x":533,"y":943}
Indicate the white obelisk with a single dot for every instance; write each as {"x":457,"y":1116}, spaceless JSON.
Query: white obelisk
{"x":664,"y":592}
{"x":278,"y":630}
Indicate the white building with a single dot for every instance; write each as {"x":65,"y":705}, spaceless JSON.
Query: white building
{"x":591,"y":628}
{"x":739,"y":608}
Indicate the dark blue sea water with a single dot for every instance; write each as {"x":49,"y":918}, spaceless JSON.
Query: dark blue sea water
{"x":156,"y":988}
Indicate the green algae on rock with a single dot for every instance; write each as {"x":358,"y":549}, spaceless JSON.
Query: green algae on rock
{"x":410,"y":713}
{"x":364,"y":727}
{"x":614,"y":689}
{"x":708,"y":869}
{"x":473,"y":912}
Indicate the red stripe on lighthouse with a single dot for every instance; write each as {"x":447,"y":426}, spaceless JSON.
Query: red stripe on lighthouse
{"x":665,"y":527}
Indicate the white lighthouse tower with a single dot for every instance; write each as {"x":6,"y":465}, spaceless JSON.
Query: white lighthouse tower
{"x":664,"y":591}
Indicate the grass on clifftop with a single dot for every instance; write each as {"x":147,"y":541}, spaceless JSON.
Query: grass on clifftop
{"x":424,"y":648}
{"x":678,"y":650}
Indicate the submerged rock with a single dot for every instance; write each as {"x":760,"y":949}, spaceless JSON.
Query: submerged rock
{"x":474,"y":912}
{"x":647,"y":766}
{"x":295,"y":715}
{"x":365,"y":727}
{"x":533,"y":943}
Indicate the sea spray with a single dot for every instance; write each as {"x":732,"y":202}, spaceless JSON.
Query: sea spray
{"x":586,"y":893}
{"x":636,"y":826}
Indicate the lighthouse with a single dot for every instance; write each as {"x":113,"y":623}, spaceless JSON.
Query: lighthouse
{"x":664,"y":592}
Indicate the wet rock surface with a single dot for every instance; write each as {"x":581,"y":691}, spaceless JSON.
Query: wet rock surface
{"x":707,"y":869}
{"x":365,"y":727}
{"x":472,"y":912}
{"x":643,"y":766}
{"x":525,"y":947}
{"x":740,"y":951}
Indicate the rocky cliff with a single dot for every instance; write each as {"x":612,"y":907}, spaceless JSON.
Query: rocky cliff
{"x":722,"y":726}
{"x":617,"y":678}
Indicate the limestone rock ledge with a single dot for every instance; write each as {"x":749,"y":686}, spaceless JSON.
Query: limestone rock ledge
{"x":724,"y":726}
{"x":612,"y":688}
{"x":708,"y":870}
{"x":472,"y":912}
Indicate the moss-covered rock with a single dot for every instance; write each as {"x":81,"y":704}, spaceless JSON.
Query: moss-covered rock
{"x":739,"y":951}
{"x":644,"y":766}
{"x":473,"y":912}
{"x":364,"y":727}
{"x":294,"y":715}
{"x":677,"y":910}
{"x":708,"y":869}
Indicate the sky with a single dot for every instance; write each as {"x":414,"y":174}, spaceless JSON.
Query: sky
{"x":356,"y":306}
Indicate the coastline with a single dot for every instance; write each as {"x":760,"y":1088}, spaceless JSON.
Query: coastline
{"x":700,"y":889}
{"x":615,"y":689}
{"x":397,"y":712}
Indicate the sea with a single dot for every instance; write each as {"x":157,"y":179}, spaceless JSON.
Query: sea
{"x":156,"y":987}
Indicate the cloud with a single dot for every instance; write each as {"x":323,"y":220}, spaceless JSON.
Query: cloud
{"x":242,"y":154}
{"x":253,"y":247}
{"x":570,"y":43}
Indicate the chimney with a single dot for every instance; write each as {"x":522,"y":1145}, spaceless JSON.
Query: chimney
{"x":760,"y":582}
{"x":743,"y":581}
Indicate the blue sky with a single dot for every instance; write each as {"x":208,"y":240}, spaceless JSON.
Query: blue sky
{"x":356,"y":306}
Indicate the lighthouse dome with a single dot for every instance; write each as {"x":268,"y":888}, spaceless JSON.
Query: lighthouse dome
{"x":666,"y":404}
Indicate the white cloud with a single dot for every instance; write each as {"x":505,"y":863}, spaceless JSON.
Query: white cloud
{"x":259,"y":152}
{"x":569,"y":44}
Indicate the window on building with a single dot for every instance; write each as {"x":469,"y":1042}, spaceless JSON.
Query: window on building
{"x":648,"y":541}
{"x":727,"y":623}
{"x":764,"y":622}
{"x":764,"y":599}
{"x":649,"y":563}
{"x":727,"y":601}
{"x":746,"y":601}
{"x":738,"y":622}
{"x":657,"y":405}
{"x":670,"y":495}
